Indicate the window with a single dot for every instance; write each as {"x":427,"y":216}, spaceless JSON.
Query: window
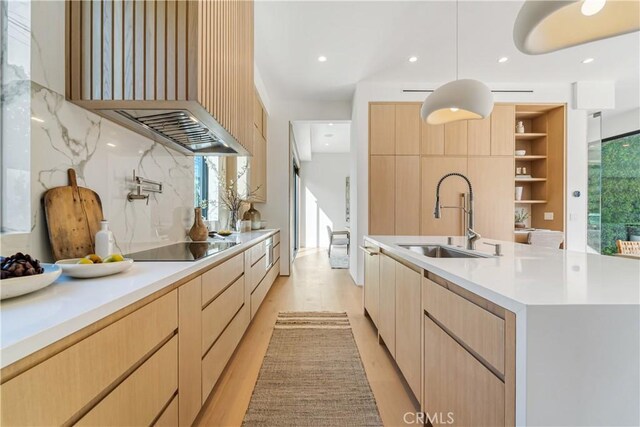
{"x":206,"y":173}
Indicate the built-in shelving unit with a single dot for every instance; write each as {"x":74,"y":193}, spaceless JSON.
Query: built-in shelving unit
{"x":542,"y":165}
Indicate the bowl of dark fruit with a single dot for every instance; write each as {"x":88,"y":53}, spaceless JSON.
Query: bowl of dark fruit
{"x":23,"y":274}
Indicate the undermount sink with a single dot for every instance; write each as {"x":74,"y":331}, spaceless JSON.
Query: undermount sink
{"x":442,"y":251}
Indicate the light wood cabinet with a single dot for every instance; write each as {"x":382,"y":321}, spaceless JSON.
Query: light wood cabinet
{"x":169,"y":417}
{"x":479,"y":137}
{"x":456,"y":384}
{"x":493,"y":196}
{"x":387,"y":324}
{"x":258,"y":167}
{"x":382,"y":129}
{"x":372,"y":282}
{"x":407,"y":191}
{"x":455,"y":138}
{"x":217,"y":315}
{"x":190,"y":349}
{"x":432,"y":140}
{"x":382,"y":201}
{"x":451,"y":191}
{"x":407,"y":126}
{"x":503,"y":130}
{"x":408,"y":315}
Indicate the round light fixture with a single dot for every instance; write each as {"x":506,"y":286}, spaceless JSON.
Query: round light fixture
{"x":413,"y":59}
{"x":503,"y":59}
{"x":322,"y":58}
{"x":547,"y":26}
{"x":587,"y":60}
{"x":591,"y":7}
{"x":472,"y":99}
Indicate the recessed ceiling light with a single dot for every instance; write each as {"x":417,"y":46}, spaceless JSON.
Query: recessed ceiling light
{"x":454,"y":109}
{"x":322,"y":58}
{"x":111,"y":144}
{"x":587,"y":60}
{"x":330,"y":124}
{"x":503,"y":59}
{"x":413,"y":59}
{"x":326,"y":144}
{"x":591,"y":7}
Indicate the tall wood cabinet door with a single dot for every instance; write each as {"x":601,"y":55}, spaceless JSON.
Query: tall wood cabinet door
{"x":503,"y":121}
{"x":455,"y":138}
{"x":258,"y":173}
{"x":492,"y":179}
{"x":408,"y":129}
{"x":407,"y":195}
{"x":456,"y":383}
{"x":372,"y":283}
{"x":408,"y":332}
{"x":451,"y":190}
{"x":432,"y":139}
{"x":387,"y":326}
{"x":189,"y":350}
{"x":479,"y":137}
{"x":382,"y":178}
{"x":382,"y":129}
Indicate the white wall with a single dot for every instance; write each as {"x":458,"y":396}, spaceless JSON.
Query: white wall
{"x":323,"y":199}
{"x":576,"y":173}
{"x":617,"y":124}
{"x":281,"y":112}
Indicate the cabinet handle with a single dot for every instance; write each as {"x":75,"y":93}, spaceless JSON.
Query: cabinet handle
{"x":369,"y":251}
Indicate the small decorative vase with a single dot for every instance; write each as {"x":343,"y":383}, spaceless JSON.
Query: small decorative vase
{"x":518,"y":193}
{"x":198,"y":232}
{"x":254,"y":217}
{"x":520,"y":127}
{"x":520,"y":225}
{"x":232,"y":221}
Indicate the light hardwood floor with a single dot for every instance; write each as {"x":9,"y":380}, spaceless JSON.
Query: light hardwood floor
{"x":312,"y":286}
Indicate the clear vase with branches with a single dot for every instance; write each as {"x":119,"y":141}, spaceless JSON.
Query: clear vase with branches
{"x":231,"y":196}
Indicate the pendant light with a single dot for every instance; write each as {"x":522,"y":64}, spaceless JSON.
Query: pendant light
{"x":547,"y":26}
{"x":464,"y":99}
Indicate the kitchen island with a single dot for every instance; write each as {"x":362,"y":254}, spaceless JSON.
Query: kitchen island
{"x":547,"y":337}
{"x":145,"y":346}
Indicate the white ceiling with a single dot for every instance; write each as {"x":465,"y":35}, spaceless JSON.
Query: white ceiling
{"x":321,"y":137}
{"x":372,"y":40}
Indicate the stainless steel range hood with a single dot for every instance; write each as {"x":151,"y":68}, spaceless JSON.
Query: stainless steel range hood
{"x":180,"y":73}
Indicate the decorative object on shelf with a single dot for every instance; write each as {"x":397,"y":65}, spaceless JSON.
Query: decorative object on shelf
{"x":519,"y":193}
{"x":521,"y":152}
{"x":465,"y":99}
{"x":245,"y":225}
{"x":143,"y":184}
{"x":520,"y":217}
{"x":541,"y":26}
{"x":520,"y":129}
{"x":198,"y":231}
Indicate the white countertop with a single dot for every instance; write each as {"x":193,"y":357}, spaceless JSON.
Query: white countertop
{"x":31,"y":322}
{"x":529,"y":275}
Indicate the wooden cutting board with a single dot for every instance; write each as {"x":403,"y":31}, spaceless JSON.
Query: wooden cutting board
{"x":73,"y":216}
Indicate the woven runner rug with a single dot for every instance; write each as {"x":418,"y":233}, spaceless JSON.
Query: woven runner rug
{"x":312,"y":375}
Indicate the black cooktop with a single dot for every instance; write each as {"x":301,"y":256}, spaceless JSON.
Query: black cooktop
{"x":184,"y":251}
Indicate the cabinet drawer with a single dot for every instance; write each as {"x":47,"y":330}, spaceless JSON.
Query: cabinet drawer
{"x":276,"y":253}
{"x":258,"y":251}
{"x":258,"y":271}
{"x":139,"y":399}
{"x":456,"y":383}
{"x":263,"y":288}
{"x":169,"y":417}
{"x":55,"y":390}
{"x":214,"y":362}
{"x":479,"y":329}
{"x":276,"y":238}
{"x":219,"y":277}
{"x":217,"y":315}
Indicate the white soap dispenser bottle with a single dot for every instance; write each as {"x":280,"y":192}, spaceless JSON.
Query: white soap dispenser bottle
{"x":104,"y":240}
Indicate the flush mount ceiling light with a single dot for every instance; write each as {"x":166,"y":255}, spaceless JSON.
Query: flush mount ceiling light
{"x":503,"y":59}
{"x":587,"y":60}
{"x":413,"y":59}
{"x":547,"y":26}
{"x":464,"y":99}
{"x":322,"y":58}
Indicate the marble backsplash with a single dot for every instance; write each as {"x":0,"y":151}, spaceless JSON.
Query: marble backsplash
{"x":104,"y":156}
